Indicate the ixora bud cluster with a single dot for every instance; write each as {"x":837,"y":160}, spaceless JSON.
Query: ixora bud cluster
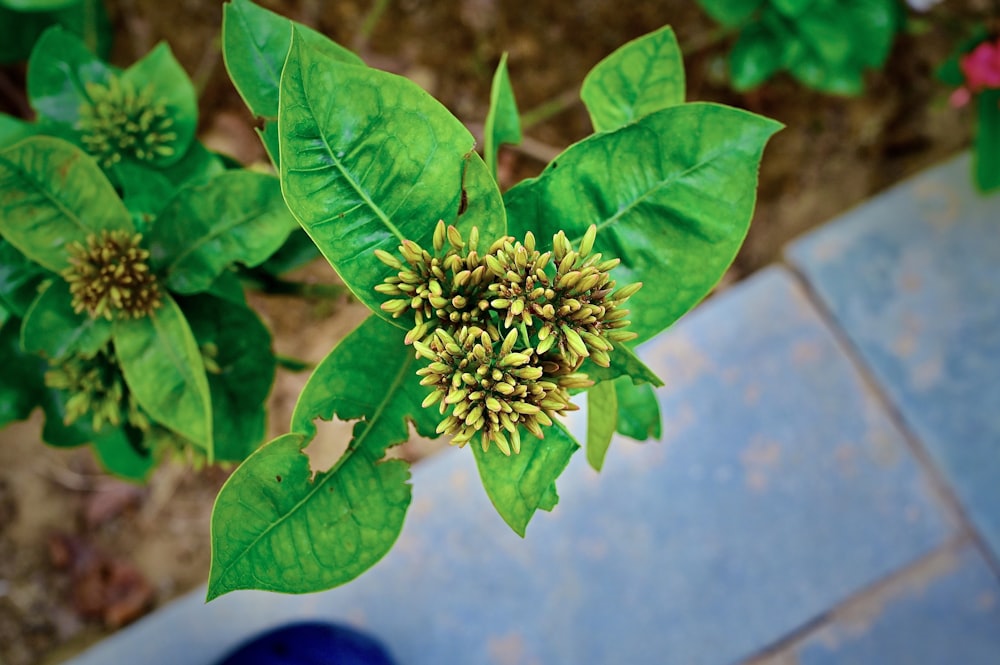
{"x":121,"y":121}
{"x":110,"y":276}
{"x":505,"y":331}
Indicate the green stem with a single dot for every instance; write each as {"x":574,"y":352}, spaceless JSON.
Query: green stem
{"x":371,"y":20}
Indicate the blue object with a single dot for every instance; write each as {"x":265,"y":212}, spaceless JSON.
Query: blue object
{"x":310,"y":644}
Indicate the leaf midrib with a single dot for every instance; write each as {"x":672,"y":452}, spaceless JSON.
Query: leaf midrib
{"x":348,"y":175}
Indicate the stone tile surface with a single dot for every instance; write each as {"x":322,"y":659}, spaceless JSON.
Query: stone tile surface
{"x":780,"y":489}
{"x":947,"y":611}
{"x":913,"y":277}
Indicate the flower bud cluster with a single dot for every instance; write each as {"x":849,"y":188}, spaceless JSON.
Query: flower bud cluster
{"x":95,"y":385}
{"x":505,"y":331}
{"x":121,"y":121}
{"x":109,"y":276}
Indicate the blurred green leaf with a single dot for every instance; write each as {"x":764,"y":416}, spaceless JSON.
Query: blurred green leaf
{"x":162,"y":366}
{"x":53,"y":329}
{"x":53,"y":194}
{"x":238,"y":216}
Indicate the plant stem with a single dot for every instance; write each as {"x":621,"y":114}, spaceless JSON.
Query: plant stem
{"x":368,"y":25}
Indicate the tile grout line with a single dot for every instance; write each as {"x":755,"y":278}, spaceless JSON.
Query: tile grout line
{"x":885,"y":589}
{"x":937,"y":481}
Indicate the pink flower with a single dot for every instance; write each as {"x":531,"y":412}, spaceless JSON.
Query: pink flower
{"x":982,"y":66}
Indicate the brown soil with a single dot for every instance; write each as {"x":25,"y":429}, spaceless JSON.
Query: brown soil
{"x":81,"y":553}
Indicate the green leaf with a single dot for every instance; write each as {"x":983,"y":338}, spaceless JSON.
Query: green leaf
{"x":638,"y":410}
{"x":297,"y":251}
{"x":55,"y":431}
{"x":275,"y":527}
{"x":269,"y":137}
{"x":170,"y":86}
{"x":503,"y":124}
{"x":392,"y":388}
{"x":986,"y":147}
{"x":255,"y":44}
{"x":826,"y":37}
{"x":245,"y":372}
{"x":671,"y":194}
{"x":20,"y":30}
{"x":521,"y":484}
{"x":53,"y":194}
{"x":21,"y":384}
{"x":58,"y":71}
{"x":624,"y":362}
{"x":145,"y":192}
{"x":640,"y":77}
{"x":602,"y":421}
{"x":198,"y":165}
{"x":369,"y":159}
{"x":163,"y":369}
{"x":352,"y":512}
{"x":13,"y":130}
{"x":238,"y":216}
{"x":792,"y":8}
{"x":53,"y":329}
{"x":731,"y":12}
{"x":20,"y":279}
{"x":120,"y":456}
{"x":756,"y":56}
{"x":872,"y":25}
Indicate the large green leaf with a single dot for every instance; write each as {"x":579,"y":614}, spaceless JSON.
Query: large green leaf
{"x":21,"y":385}
{"x":521,"y":484}
{"x":20,"y":279}
{"x":242,"y":376}
{"x":58,"y":71}
{"x":170,"y":86}
{"x":52,"y":194}
{"x":602,"y":421}
{"x":53,"y":329}
{"x":255,"y":44}
{"x":671,"y":194}
{"x":503,"y":124}
{"x":275,"y":526}
{"x":162,"y":366}
{"x":640,"y":77}
{"x":238,"y":216}
{"x":638,"y":410}
{"x":369,"y":159}
{"x":986,"y":155}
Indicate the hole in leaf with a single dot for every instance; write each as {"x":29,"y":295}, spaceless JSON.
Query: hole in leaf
{"x":328,"y":446}
{"x":278,"y":478}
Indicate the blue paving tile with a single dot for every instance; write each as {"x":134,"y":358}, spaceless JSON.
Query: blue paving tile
{"x":913,"y":279}
{"x":951,"y":614}
{"x":780,"y":489}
